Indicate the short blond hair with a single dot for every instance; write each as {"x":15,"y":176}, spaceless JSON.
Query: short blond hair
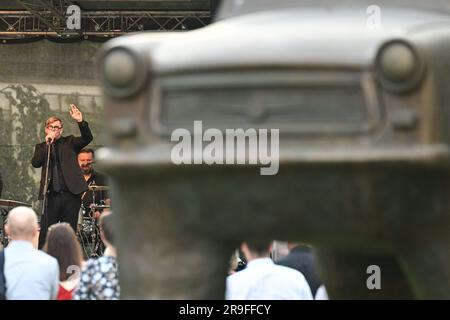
{"x":53,"y":119}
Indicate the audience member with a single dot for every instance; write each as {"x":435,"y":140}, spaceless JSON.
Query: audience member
{"x":62,"y":244}
{"x":236,"y":263}
{"x":321,"y":293}
{"x":30,"y":274}
{"x":302,"y":258}
{"x":99,"y":278}
{"x":264,"y":280}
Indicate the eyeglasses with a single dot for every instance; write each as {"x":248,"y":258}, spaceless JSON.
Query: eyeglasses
{"x":54,"y":128}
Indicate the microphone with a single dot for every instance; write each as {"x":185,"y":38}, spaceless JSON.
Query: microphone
{"x":49,"y":140}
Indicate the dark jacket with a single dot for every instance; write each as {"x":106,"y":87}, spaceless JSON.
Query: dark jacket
{"x":302,"y":258}
{"x":98,"y":179}
{"x":68,"y":157}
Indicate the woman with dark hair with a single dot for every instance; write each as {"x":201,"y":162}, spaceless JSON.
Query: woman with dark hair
{"x":99,"y":279}
{"x":62,"y":243}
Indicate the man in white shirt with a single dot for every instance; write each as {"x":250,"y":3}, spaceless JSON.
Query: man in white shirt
{"x":321,"y":293}
{"x":264,"y":280}
{"x":30,"y":274}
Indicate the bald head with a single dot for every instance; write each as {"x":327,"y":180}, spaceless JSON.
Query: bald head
{"x":22,"y":223}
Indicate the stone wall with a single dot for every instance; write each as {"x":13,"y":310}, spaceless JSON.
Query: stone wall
{"x":38,"y":80}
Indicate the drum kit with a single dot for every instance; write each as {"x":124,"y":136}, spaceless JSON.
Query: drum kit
{"x":5,"y":206}
{"x":88,"y":229}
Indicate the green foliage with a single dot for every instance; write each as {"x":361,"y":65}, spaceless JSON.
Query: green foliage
{"x":29,"y":109}
{"x":5,"y":148}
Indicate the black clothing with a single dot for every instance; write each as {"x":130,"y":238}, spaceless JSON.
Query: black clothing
{"x":66,"y":182}
{"x":87,"y":199}
{"x":57,"y":176}
{"x":62,"y":206}
{"x":302,"y":258}
{"x":67,"y":149}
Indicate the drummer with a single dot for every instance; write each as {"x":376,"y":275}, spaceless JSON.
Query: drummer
{"x":94,"y":196}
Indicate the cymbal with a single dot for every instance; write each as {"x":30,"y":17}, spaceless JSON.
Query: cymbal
{"x":12,"y":203}
{"x":100,"y":206}
{"x":98,"y":188}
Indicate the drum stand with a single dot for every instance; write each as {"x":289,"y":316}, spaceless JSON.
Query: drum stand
{"x":5,"y":206}
{"x":89,"y":236}
{"x":89,"y":232}
{"x":3,"y":238}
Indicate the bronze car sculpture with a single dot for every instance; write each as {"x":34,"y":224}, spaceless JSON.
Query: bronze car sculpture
{"x":363,"y":115}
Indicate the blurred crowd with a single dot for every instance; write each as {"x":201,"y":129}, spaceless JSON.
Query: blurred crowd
{"x":59,"y":270}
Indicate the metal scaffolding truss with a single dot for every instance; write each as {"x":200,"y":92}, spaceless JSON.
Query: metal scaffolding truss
{"x":50,"y":13}
{"x":43,"y":18}
{"x":133,"y":21}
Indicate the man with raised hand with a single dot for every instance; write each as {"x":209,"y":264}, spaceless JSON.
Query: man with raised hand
{"x":65,"y":179}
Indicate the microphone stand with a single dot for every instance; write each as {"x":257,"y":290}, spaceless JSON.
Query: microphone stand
{"x":45,"y":191}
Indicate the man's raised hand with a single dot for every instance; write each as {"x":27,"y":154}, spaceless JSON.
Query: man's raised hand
{"x":75,"y":113}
